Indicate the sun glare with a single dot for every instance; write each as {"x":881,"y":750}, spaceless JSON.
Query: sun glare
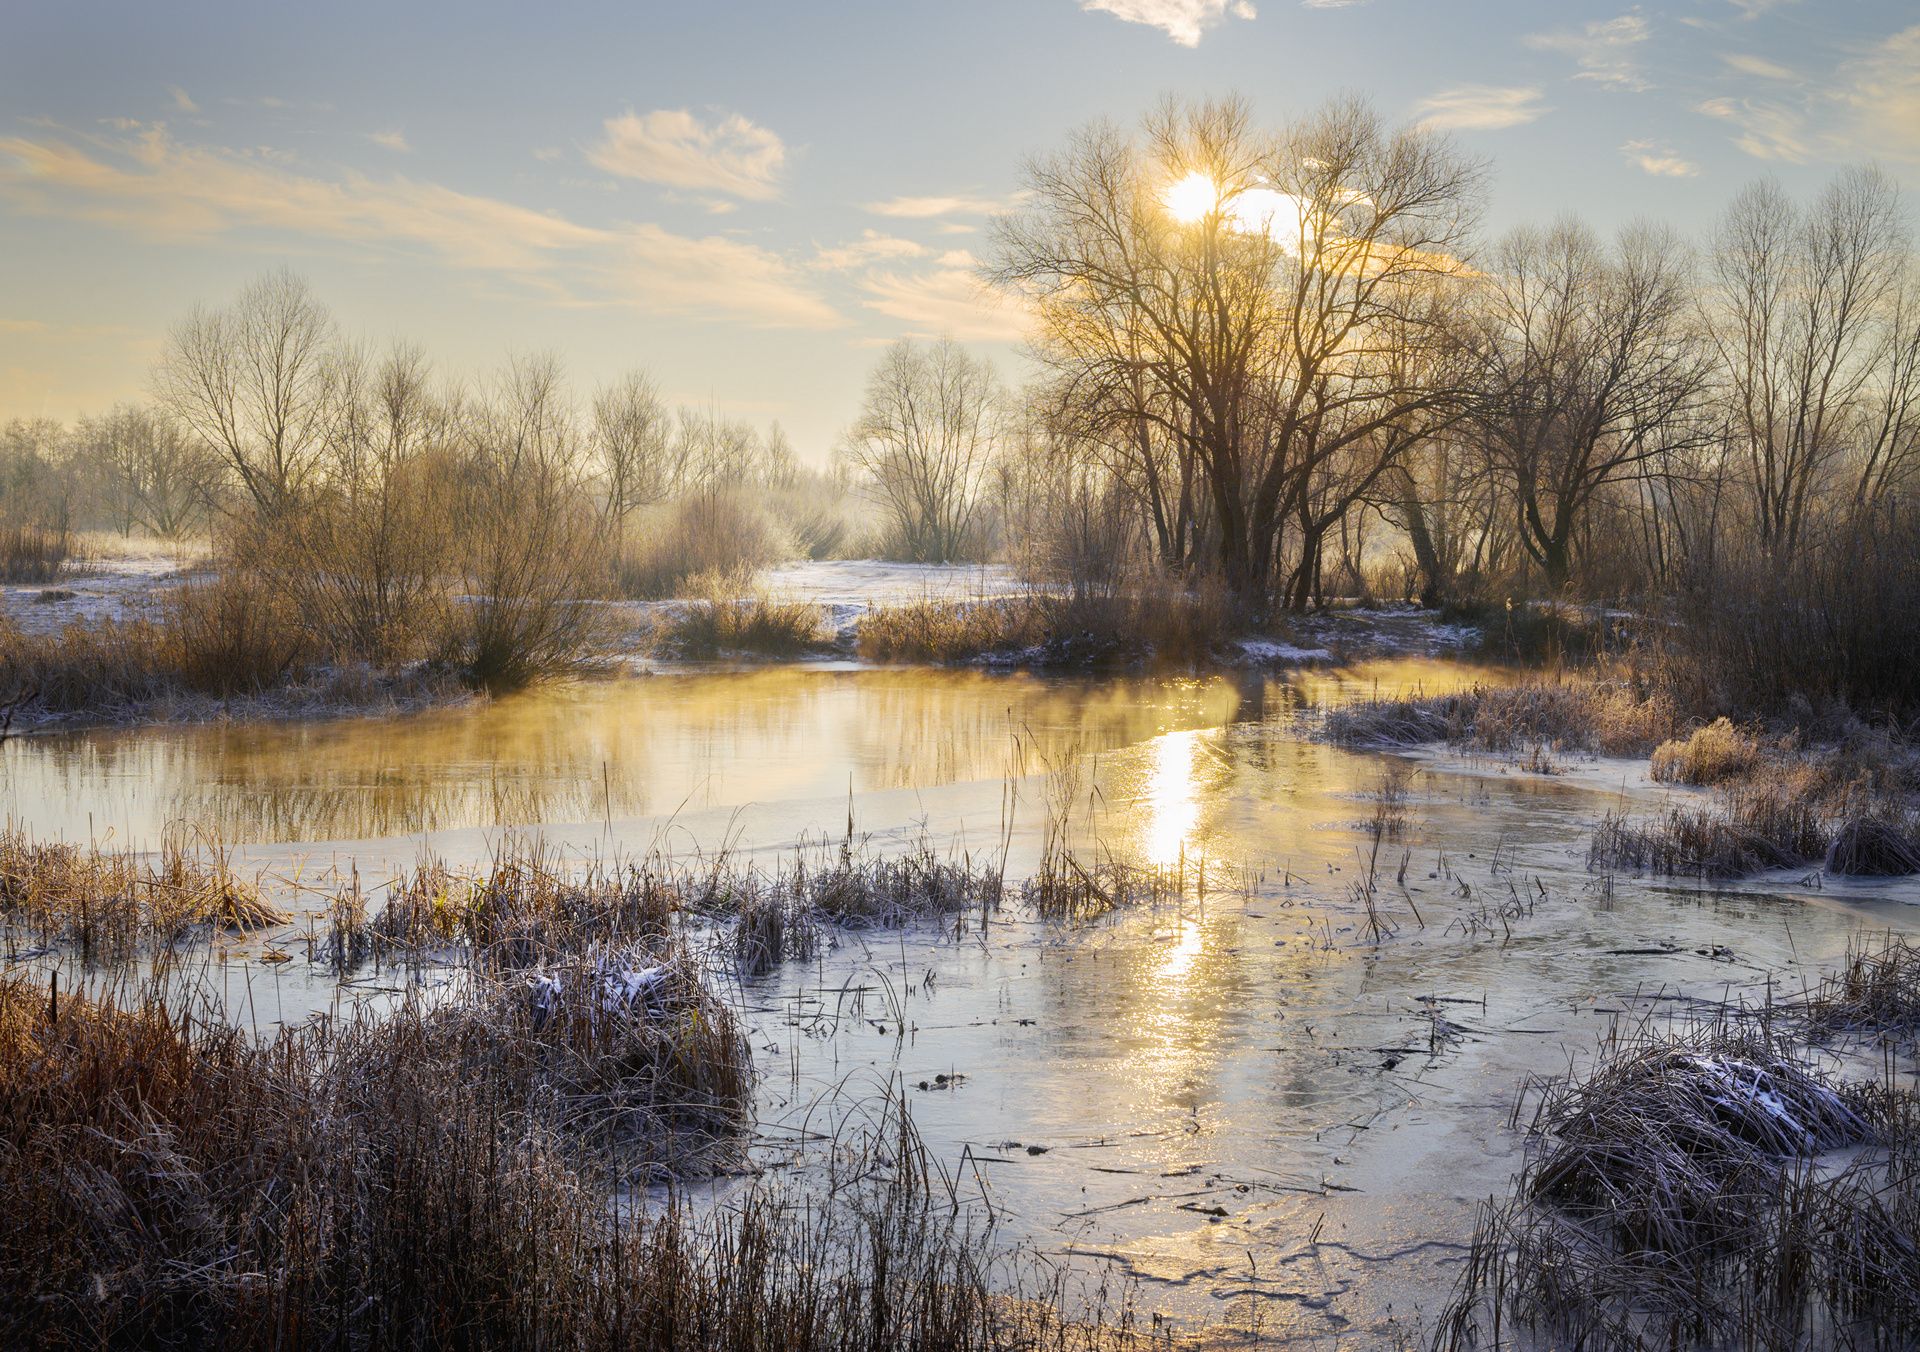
{"x":1191,"y":198}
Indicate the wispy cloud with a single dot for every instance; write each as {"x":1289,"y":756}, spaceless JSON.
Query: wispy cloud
{"x":676,"y":148}
{"x":1658,"y":160}
{"x":920,"y":208}
{"x":1765,"y":130}
{"x":180,"y":101}
{"x":1185,"y":21}
{"x":1605,"y":50}
{"x":1748,"y":64}
{"x":947,"y":300}
{"x":1881,"y":92}
{"x":1481,"y":108}
{"x":871,"y":247}
{"x":153,"y":185}
{"x":392,"y":140}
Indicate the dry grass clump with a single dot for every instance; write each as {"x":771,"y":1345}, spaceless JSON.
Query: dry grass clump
{"x":1876,"y":990}
{"x":754,"y":624}
{"x":1684,"y":1194}
{"x":1708,"y":755}
{"x":1754,"y":829}
{"x":443,"y":1178}
{"x":625,"y":1053}
{"x":1868,"y":847}
{"x":32,"y":553}
{"x":1589,"y":717}
{"x":928,"y":630}
{"x":1148,"y":618}
{"x":525,"y":908}
{"x":1850,"y":811}
{"x":115,"y":906}
{"x":862,"y":892}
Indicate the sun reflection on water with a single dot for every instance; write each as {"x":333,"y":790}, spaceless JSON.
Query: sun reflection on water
{"x":1173,"y":799}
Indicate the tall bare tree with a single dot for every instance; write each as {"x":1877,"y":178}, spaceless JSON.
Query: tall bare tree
{"x":1282,"y":294}
{"x":632,"y":442}
{"x":1590,"y":369}
{"x":254,"y":383}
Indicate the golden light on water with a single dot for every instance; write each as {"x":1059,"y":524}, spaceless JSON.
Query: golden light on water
{"x":1192,"y":198}
{"x":1173,"y":798}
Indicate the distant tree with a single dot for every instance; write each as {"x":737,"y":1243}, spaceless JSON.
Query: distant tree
{"x":159,"y":477}
{"x":924,"y":441}
{"x":1818,"y":330}
{"x":632,"y":445}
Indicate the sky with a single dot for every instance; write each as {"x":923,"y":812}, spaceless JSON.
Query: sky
{"x":748,"y":198}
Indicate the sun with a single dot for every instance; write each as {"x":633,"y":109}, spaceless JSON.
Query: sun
{"x":1192,"y":198}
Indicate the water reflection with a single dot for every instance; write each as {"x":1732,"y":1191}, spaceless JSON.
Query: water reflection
{"x":652,"y":745}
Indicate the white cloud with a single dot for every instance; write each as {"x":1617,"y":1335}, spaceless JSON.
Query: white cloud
{"x":181,"y":102}
{"x":395,"y":141}
{"x":1766,"y":131}
{"x":155,"y":186}
{"x":946,"y":301}
{"x":871,"y":247}
{"x":920,"y":208}
{"x":1748,"y":64}
{"x":674,"y":147}
{"x":1658,"y":160}
{"x":1481,"y":108}
{"x":1605,"y":50}
{"x":1185,"y":21}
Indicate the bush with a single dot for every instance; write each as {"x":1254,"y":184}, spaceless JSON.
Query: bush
{"x":1719,"y":751}
{"x":1591,"y":717}
{"x":235,"y":635}
{"x":1154,"y":618}
{"x":708,"y":535}
{"x":1839,"y":626}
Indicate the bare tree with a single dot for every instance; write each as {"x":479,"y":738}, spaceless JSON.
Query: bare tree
{"x":160,"y":477}
{"x":254,"y":383}
{"x":366,"y":557}
{"x":924,"y":440}
{"x":1800,"y":315}
{"x":1589,"y":370}
{"x":1275,"y":303}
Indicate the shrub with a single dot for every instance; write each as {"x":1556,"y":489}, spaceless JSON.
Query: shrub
{"x":1719,"y":751}
{"x":711,"y":534}
{"x":1154,"y":618}
{"x":237,"y":634}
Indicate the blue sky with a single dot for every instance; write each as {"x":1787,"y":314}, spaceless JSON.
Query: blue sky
{"x":748,"y":198}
